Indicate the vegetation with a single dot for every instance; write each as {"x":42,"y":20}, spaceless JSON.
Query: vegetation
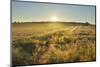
{"x":42,"y":43}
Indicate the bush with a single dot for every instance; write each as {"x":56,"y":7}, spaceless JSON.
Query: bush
{"x":27,"y":50}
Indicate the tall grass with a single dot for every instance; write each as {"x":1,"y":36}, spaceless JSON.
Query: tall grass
{"x":56,"y":47}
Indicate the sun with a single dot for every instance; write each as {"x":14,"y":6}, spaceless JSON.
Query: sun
{"x":54,"y":18}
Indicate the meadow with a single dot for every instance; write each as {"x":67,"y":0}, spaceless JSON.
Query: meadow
{"x":53,"y":42}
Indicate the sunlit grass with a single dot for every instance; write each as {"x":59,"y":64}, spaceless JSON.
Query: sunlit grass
{"x":54,"y":43}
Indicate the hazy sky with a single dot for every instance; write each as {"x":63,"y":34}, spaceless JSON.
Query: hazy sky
{"x":29,"y":11}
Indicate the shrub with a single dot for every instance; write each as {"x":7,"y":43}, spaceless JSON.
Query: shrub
{"x":27,"y":50}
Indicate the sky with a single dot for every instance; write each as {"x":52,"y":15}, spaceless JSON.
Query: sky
{"x":32,"y":11}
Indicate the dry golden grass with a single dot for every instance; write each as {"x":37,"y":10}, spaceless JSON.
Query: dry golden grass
{"x":37,"y":43}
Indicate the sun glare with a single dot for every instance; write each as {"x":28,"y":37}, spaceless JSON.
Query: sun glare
{"x":54,"y":19}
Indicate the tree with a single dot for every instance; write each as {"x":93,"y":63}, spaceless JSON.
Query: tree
{"x":86,"y":23}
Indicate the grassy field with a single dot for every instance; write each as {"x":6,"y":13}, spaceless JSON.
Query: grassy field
{"x":47,"y":42}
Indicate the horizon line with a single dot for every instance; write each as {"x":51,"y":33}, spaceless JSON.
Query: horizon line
{"x":52,"y":22}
